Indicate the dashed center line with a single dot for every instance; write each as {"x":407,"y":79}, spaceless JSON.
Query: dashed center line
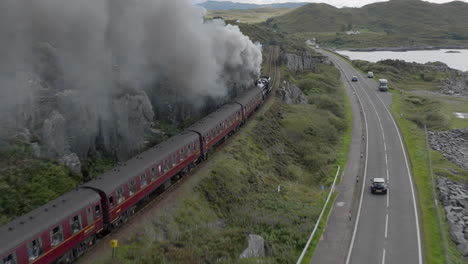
{"x":383,"y":256}
{"x":388,"y":199}
{"x":386,"y":226}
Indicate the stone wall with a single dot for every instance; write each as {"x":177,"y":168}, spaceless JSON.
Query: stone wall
{"x":454,"y":198}
{"x":452,"y":144}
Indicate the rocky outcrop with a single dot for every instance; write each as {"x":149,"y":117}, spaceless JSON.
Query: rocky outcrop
{"x":255,"y":249}
{"x":291,"y":94}
{"x":454,"y":198}
{"x":452,"y":144}
{"x":306,"y":61}
{"x":456,"y":85}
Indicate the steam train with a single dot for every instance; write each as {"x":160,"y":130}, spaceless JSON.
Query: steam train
{"x":63,"y":229}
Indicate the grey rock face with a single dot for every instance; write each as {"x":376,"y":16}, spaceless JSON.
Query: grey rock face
{"x":72,"y":161}
{"x":463,"y":248}
{"x":455,"y":195}
{"x":291,"y":94}
{"x":452,"y":144}
{"x":255,"y":249}
{"x":303,"y":62}
{"x":456,"y":85}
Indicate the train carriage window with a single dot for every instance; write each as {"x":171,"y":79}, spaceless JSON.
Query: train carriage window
{"x":132,"y":187}
{"x":153,"y":173}
{"x":10,"y":259}
{"x":166,"y":165}
{"x":143,"y":181}
{"x":111,"y":201}
{"x":75,"y":224}
{"x":35,"y":248}
{"x":97,"y":210}
{"x":56,"y":236}
{"x":160,"y":170}
{"x":174,"y":160}
{"x":89,"y":215}
{"x":120,"y":195}
{"x":189,"y":149}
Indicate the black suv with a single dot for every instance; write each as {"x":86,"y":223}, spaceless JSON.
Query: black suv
{"x":378,"y":185}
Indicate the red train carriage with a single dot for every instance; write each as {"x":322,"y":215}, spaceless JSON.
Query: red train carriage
{"x":217,"y":125}
{"x":133,"y":181}
{"x":60,"y":230}
{"x":250,"y":101}
{"x":64,"y":228}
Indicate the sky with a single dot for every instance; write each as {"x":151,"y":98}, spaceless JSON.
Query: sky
{"x":337,"y":3}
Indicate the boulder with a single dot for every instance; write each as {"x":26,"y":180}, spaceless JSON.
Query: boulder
{"x":255,"y":249}
{"x":463,"y":248}
{"x":458,"y":237}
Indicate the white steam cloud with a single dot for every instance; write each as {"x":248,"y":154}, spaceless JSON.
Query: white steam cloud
{"x":97,"y":72}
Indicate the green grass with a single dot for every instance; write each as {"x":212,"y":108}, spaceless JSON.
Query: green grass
{"x":27,"y":182}
{"x":341,"y":161}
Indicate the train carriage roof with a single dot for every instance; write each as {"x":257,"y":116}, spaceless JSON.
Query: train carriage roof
{"x":213,"y":119}
{"x":32,"y":224}
{"x":251,"y":94}
{"x":112,"y":179}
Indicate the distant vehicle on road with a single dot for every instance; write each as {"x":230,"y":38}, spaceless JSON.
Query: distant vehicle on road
{"x":354,"y":79}
{"x":370,"y":75}
{"x":383,"y":85}
{"x":378,"y":185}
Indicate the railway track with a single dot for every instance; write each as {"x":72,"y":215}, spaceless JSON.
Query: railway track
{"x":103,"y":244}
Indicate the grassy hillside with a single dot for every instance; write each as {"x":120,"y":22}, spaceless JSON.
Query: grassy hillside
{"x":248,"y":15}
{"x":227,"y":5}
{"x":417,"y":22}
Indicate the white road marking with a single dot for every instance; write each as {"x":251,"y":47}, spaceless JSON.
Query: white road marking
{"x":350,"y":250}
{"x":388,"y":198}
{"x":386,"y":226}
{"x":383,"y":256}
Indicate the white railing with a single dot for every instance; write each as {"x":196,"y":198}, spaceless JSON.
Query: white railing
{"x":319,"y":218}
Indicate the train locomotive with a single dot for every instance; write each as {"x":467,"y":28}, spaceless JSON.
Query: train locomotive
{"x":63,"y":229}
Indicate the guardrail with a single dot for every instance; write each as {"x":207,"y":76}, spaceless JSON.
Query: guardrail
{"x":332,"y":189}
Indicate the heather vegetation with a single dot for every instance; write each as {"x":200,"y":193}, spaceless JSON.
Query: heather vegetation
{"x":27,"y":182}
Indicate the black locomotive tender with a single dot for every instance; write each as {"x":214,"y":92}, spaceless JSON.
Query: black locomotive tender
{"x":62,"y":230}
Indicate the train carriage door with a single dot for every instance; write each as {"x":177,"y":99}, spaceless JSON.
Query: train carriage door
{"x":89,"y":215}
{"x":143,"y":181}
{"x":154,"y":175}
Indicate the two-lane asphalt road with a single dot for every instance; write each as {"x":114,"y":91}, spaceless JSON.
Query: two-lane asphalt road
{"x":386,"y":228}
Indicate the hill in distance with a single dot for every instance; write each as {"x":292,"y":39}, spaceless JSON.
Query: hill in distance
{"x":218,"y":5}
{"x":413,"y":18}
